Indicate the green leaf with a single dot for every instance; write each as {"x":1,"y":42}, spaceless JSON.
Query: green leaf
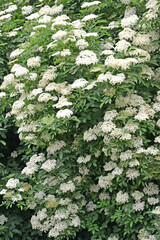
{"x":10,"y":175}
{"x":3,"y":142}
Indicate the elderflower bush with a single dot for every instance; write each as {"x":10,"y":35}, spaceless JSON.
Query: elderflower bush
{"x":87,"y":92}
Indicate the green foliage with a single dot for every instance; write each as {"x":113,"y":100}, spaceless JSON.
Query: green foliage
{"x":79,"y":138}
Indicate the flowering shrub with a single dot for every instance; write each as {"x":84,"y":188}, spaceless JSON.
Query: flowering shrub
{"x":84,"y":90}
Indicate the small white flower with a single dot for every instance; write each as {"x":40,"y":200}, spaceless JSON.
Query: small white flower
{"x":16,"y":198}
{"x":34,"y":62}
{"x":39,"y":26}
{"x":33,"y":16}
{"x":82,"y":44}
{"x":45,"y":19}
{"x":33,"y":76}
{"x":77,"y":24}
{"x":62,"y":102}
{"x":157,"y":139}
{"x":86,"y":57}
{"x":113,"y":238}
{"x":119,"y":78}
{"x":129,"y":21}
{"x":89,"y":17}
{"x":12,"y":34}
{"x":132,"y":174}
{"x":3,"y":219}
{"x":11,"y":8}
{"x":4,"y":17}
{"x":117,"y":171}
{"x":59,"y":35}
{"x":26,"y":10}
{"x":138,"y":206}
{"x":89,"y":4}
{"x":3,"y":192}
{"x":64,"y":113}
{"x":16,"y":53}
{"x":153,"y":201}
{"x":125,"y":1}
{"x":81,"y":82}
{"x":49,"y":165}
{"x":127,"y":33}
{"x":122,"y":197}
{"x":14,"y":154}
{"x":122,"y":46}
{"x":137,"y":195}
{"x":92,"y":34}
{"x":19,"y":70}
{"x":156,"y":210}
{"x":12,"y":183}
{"x":2,"y":94}
{"x":44,"y":97}
{"x":82,"y":159}
{"x":65,"y":52}
{"x":69,"y":186}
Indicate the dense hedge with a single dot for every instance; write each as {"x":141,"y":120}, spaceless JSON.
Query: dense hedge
{"x":80,"y":127}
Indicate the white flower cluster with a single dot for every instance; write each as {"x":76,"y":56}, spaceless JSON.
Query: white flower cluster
{"x":19,"y":70}
{"x":60,"y":221}
{"x":113,"y":79}
{"x":86,"y":57}
{"x":89,"y":17}
{"x":138,"y":206}
{"x":122,"y":46}
{"x":151,"y":189}
{"x":126,"y":155}
{"x":84,"y":159}
{"x":89,"y":135}
{"x":62,"y":102}
{"x":129,"y":21}
{"x":120,"y":63}
{"x":46,"y":10}
{"x":113,"y":238}
{"x":16,"y":53}
{"x":12,"y":183}
{"x":56,"y":146}
{"x":66,"y":113}
{"x":105,"y":181}
{"x":152,"y":6}
{"x":132,"y":174}
{"x":137,"y":195}
{"x":4,"y":17}
{"x":45,"y":97}
{"x":26,"y":10}
{"x":49,"y":165}
{"x":89,"y":4}
{"x":81,"y":82}
{"x":11,"y":8}
{"x":69,"y":186}
{"x":156,"y":210}
{"x":32,"y":166}
{"x":59,"y":35}
{"x":127,"y":33}
{"x":2,"y":94}
{"x":8,"y":79}
{"x":3,"y":219}
{"x":33,"y":16}
{"x":34,"y":62}
{"x":82,"y":44}
{"x":110,"y":165}
{"x":121,"y":197}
